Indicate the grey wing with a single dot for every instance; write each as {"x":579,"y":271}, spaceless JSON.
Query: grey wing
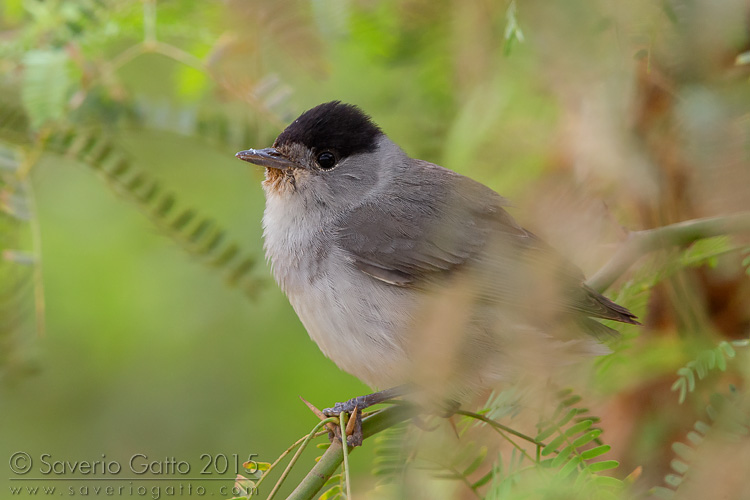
{"x":425,"y":232}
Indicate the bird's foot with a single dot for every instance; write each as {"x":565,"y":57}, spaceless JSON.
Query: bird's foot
{"x":346,"y":406}
{"x":353,"y":430}
{"x":354,"y":408}
{"x":365,"y":401}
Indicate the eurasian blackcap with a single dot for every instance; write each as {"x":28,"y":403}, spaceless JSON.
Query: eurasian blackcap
{"x":371,"y":246}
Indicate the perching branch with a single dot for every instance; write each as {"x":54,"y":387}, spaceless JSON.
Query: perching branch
{"x":332,"y":458}
{"x":639,"y":243}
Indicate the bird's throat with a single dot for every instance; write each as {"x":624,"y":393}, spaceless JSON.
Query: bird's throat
{"x":277,"y":181}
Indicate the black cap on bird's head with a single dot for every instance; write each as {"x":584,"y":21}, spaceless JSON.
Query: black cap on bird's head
{"x":342,"y":129}
{"x":333,"y":125}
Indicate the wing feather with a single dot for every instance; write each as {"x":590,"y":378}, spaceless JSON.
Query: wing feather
{"x":457,"y":223}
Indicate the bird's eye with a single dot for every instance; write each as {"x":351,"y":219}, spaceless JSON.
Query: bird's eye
{"x":326,"y":160}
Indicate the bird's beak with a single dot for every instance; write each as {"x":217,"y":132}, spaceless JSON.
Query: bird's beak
{"x":268,"y":157}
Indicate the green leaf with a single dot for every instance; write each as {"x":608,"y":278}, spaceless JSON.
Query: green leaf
{"x":595,"y":452}
{"x":448,"y":475}
{"x":513,"y":31}
{"x":547,"y":463}
{"x":45,"y":85}
{"x":711,"y":359}
{"x":680,"y":385}
{"x":546,"y":433}
{"x":572,"y":400}
{"x":183,"y":219}
{"x":586,"y":438}
{"x":165,"y":205}
{"x":695,"y":438}
{"x":662,"y":492}
{"x":229,"y":252}
{"x":564,"y":393}
{"x":385,"y":470}
{"x":679,"y":466}
{"x":568,"y":417}
{"x":482,"y":481}
{"x":669,"y":10}
{"x":699,"y":366}
{"x":705,"y":249}
{"x":673,"y":480}
{"x":240,"y":270}
{"x":743,"y":58}
{"x":683,"y":451}
{"x":388,"y":460}
{"x":702,"y":427}
{"x":712,"y":413}
{"x":552,"y":446}
{"x":562,"y":457}
{"x":334,"y":492}
{"x":477,"y":462}
{"x":721,"y":363}
{"x":603,"y":465}
{"x":578,"y":428}
{"x":687,"y":373}
{"x":570,"y":466}
{"x":729,"y":351}
{"x":334,"y":479}
{"x":608,"y":482}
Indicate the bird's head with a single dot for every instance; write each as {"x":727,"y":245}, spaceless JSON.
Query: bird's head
{"x":332,"y":154}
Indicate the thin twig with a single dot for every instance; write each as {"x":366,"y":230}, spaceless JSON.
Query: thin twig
{"x":331,"y":427}
{"x":284,"y":454}
{"x":296,"y":456}
{"x":124,"y":57}
{"x":178,"y":55}
{"x":639,"y":243}
{"x":149,"y":21}
{"x":345,"y":451}
{"x":502,"y":429}
{"x":151,"y":44}
{"x":500,"y":426}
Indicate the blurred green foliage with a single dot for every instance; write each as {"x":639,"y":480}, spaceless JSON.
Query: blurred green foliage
{"x":118,"y":124}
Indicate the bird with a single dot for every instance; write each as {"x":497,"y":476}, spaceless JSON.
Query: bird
{"x":371,"y":245}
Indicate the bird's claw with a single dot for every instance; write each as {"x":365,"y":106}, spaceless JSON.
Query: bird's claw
{"x":354,"y":408}
{"x":353,"y":429}
{"x":363,"y":402}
